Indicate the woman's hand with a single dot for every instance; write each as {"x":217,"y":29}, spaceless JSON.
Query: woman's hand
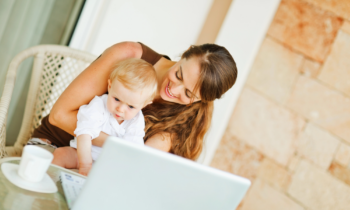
{"x":91,"y":82}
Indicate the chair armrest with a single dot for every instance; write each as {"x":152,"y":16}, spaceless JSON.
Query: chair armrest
{"x":4,"y":107}
{"x":2,"y":141}
{"x":6,"y":97}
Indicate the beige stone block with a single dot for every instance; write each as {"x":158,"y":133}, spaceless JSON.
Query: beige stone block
{"x":340,"y":172}
{"x":274,"y":70}
{"x":276,"y":175}
{"x":261,"y":196}
{"x":236,"y":157}
{"x":310,"y":68}
{"x":224,"y":153}
{"x":338,"y":7}
{"x":269,"y":128}
{"x":335,"y":71}
{"x":343,"y":154}
{"x":346,"y":27}
{"x":305,"y":28}
{"x":317,"y":145}
{"x":318,"y":190}
{"x":322,"y":105}
{"x":293,"y":163}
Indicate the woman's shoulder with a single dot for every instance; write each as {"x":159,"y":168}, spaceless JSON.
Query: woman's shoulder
{"x":135,"y":50}
{"x":129,"y":49}
{"x":150,"y":55}
{"x":161,"y":141}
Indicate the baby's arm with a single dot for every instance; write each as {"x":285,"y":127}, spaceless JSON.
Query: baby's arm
{"x":84,"y":153}
{"x":90,"y":121}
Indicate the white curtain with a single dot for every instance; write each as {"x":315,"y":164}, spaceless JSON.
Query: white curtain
{"x":26,"y":23}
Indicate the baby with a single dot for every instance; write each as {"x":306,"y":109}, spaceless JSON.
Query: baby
{"x":131,"y":86}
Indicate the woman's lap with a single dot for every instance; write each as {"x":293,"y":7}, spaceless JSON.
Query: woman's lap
{"x":42,"y":143}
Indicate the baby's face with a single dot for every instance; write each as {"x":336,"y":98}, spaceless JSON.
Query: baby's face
{"x":123,"y":103}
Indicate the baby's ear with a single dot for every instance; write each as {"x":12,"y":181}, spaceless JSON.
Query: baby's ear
{"x":147,"y":104}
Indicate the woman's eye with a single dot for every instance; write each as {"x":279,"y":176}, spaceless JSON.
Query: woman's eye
{"x":116,"y":99}
{"x":187,"y":93}
{"x":177,"y":76}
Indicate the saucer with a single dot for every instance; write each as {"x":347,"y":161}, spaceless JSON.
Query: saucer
{"x":44,"y":186}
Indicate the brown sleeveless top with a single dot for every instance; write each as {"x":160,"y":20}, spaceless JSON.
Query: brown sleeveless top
{"x":59,"y":137}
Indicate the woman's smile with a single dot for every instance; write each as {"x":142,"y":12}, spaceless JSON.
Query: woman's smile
{"x":168,"y":92}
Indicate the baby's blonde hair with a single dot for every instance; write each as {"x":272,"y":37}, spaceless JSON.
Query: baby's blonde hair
{"x":136,"y":74}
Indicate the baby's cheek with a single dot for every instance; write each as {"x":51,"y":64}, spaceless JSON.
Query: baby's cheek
{"x":109,"y":106}
{"x":131,"y":114}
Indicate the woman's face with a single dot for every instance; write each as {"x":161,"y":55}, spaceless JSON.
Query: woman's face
{"x":178,"y":84}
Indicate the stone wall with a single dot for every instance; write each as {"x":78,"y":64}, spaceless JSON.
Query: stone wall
{"x":290,"y":130}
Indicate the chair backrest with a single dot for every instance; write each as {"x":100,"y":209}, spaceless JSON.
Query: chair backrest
{"x":54,"y":68}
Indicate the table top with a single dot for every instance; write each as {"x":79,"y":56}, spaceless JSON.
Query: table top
{"x":14,"y":198}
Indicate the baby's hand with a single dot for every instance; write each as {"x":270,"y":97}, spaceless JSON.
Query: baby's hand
{"x":84,"y":169}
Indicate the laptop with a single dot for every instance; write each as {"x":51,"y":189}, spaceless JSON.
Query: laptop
{"x":129,"y":176}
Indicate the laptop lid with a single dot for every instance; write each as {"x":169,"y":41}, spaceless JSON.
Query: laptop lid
{"x":129,"y":176}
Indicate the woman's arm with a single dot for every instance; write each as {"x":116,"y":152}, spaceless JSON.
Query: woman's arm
{"x":161,"y":141}
{"x":91,"y":82}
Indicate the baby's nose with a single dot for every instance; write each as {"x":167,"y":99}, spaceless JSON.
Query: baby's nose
{"x":119,"y":109}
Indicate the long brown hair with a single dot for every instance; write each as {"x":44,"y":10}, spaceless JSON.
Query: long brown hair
{"x":187,"y":124}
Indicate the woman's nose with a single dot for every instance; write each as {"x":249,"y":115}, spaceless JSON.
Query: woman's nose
{"x":176,"y":88}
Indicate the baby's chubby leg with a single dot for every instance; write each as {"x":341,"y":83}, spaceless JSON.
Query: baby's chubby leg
{"x":66,"y":157}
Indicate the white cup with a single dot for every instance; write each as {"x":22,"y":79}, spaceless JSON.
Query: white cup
{"x":34,"y":163}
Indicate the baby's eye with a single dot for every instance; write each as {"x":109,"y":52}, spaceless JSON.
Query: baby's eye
{"x":116,"y":99}
{"x":131,"y":107}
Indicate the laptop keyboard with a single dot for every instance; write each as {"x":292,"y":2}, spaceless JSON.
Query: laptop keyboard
{"x":72,"y":186}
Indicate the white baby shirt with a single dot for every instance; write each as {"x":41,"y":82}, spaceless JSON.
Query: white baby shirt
{"x":94,"y":118}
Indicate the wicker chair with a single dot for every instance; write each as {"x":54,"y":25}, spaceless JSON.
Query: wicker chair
{"x":54,"y":68}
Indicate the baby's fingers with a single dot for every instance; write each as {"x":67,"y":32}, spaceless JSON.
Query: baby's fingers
{"x":84,"y":171}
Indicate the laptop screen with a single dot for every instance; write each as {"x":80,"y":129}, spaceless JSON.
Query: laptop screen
{"x":129,"y":176}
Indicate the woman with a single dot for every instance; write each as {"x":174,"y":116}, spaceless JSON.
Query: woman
{"x":179,"y":117}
